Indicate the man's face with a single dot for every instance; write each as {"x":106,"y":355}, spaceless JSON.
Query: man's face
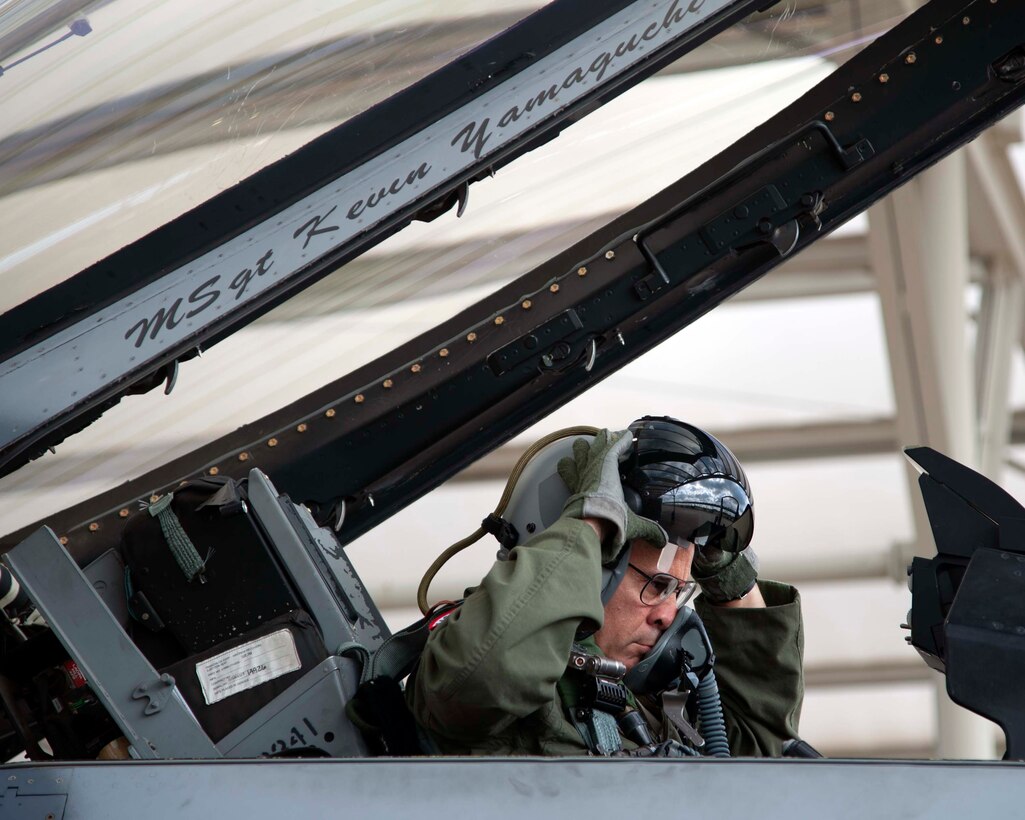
{"x":632,"y":627}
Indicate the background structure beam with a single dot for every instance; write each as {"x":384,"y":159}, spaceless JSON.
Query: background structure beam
{"x":919,"y":245}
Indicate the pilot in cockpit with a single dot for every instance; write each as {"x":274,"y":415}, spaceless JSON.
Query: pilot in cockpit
{"x":581,"y":640}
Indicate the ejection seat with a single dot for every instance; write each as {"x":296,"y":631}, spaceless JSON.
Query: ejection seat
{"x":228,"y":624}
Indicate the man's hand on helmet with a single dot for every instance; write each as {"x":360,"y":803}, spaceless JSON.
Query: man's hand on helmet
{"x":724,"y":576}
{"x":592,"y":476}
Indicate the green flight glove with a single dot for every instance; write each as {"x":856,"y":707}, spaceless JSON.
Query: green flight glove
{"x":592,"y":476}
{"x":724,"y":576}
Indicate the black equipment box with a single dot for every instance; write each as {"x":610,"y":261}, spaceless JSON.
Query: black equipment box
{"x":238,"y":584}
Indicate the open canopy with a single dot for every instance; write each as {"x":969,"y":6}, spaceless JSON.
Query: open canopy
{"x":366,"y":307}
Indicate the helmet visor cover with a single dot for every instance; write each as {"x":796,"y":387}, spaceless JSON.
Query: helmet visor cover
{"x":690,"y":483}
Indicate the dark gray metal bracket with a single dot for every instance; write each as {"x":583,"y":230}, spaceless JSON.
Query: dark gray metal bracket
{"x":967,"y":615}
{"x":107,"y":575}
{"x":116,"y":670}
{"x":339,"y":573}
{"x":343,"y":615}
{"x":156,"y":692}
{"x":985,"y":642}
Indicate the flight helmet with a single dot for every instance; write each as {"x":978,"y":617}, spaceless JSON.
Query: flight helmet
{"x":690,"y":483}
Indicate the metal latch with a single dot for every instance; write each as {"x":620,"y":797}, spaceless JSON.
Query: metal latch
{"x":157,"y":691}
{"x":545,"y":340}
{"x":732,"y":227}
{"x":856,"y":154}
{"x":1011,"y":67}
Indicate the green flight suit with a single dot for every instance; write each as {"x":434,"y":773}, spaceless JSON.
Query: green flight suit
{"x":486,"y":683}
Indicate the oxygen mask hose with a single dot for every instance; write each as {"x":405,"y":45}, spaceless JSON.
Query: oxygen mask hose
{"x":711,"y":724}
{"x":510,"y":486}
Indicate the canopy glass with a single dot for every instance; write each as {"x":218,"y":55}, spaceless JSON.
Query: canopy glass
{"x":127,"y":125}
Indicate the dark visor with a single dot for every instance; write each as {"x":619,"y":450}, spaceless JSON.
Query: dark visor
{"x":710,"y":511}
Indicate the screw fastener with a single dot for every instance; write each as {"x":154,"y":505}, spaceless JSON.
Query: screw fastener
{"x":330,"y":413}
{"x":527,"y":304}
{"x":884,"y":78}
{"x":123,"y":513}
{"x":93,"y":527}
{"x":582,"y":271}
{"x":910,"y":58}
{"x":301,"y":428}
{"x":471,"y":337}
{"x":243,"y":456}
{"x":415,"y":368}
{"x":829,"y":116}
{"x":387,"y":383}
{"x":272,"y":442}
{"x":443,"y":352}
{"x":554,"y":288}
{"x":214,"y":470}
{"x":64,"y":540}
{"x":856,"y":97}
{"x":499,"y":320}
{"x":610,"y":254}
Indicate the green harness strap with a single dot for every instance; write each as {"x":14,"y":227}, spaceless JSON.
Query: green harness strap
{"x":597,"y":728}
{"x":185,"y":553}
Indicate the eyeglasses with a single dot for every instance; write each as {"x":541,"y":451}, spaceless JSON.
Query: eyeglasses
{"x":661,"y":585}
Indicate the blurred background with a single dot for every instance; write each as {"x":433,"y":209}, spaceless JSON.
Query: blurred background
{"x":903,"y":327}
